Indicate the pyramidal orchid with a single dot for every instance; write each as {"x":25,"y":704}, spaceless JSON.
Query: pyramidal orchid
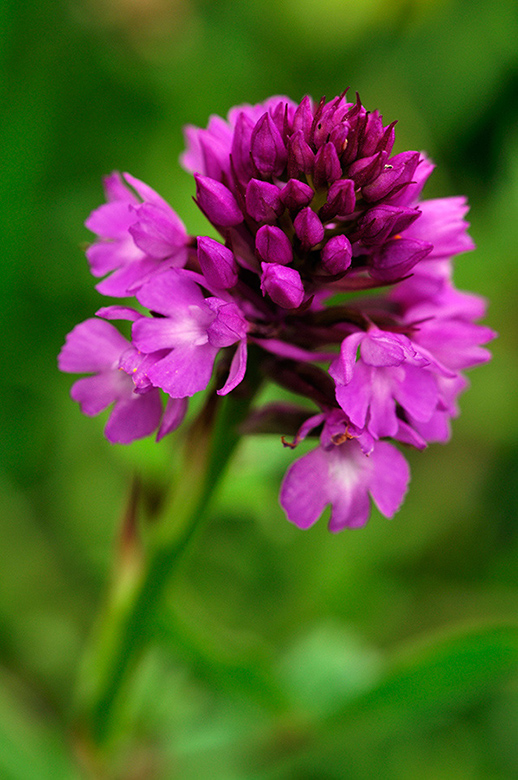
{"x":331,"y":277}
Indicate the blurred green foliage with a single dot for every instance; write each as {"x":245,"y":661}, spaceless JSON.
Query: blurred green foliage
{"x":386,"y":652}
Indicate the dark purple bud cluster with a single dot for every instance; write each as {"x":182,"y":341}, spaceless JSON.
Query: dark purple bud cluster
{"x":315,"y":172}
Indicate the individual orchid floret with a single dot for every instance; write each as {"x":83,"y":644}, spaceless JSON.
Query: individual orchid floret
{"x":327,"y":167}
{"x":341,"y":474}
{"x":190,"y":328}
{"x":341,"y":200}
{"x":241,"y":140}
{"x":96,"y":347}
{"x":301,"y":157}
{"x":383,"y":222}
{"x":295,"y":194}
{"x":390,"y":371}
{"x":139,"y":235}
{"x":393,"y":178}
{"x":396,"y":257}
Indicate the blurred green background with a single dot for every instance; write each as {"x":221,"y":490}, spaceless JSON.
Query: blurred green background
{"x":387,"y":652}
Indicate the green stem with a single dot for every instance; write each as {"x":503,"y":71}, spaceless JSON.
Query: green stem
{"x":125,"y":624}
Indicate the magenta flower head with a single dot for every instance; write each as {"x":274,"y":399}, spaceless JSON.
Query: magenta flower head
{"x":330,"y":277}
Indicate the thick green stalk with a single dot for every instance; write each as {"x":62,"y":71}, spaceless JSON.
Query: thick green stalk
{"x":124,"y":628}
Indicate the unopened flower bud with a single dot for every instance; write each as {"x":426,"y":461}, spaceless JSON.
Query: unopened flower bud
{"x":372,"y":135}
{"x":217,"y":202}
{"x":337,"y":254}
{"x":301,"y":159}
{"x":217,"y":263}
{"x":387,"y":141}
{"x":382,"y":221}
{"x":273,"y":245}
{"x":395,"y":174}
{"x":267,"y":147}
{"x":295,"y":194}
{"x":241,"y":146}
{"x":341,"y":200}
{"x":327,"y":166}
{"x":397,"y":257}
{"x":278,"y":115}
{"x":357,"y":123}
{"x":339,"y":137}
{"x":367,"y":169}
{"x":215,"y":163}
{"x":283,"y":284}
{"x":323,"y":126}
{"x":303,"y":118}
{"x":263,"y":201}
{"x":308,"y":228}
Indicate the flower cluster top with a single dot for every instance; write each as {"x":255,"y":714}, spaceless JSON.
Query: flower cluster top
{"x":328,"y":263}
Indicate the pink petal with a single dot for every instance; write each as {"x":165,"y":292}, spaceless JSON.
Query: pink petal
{"x":152,"y":334}
{"x":418,"y":393}
{"x":342,"y":368}
{"x":174,"y":414}
{"x":354,"y":398}
{"x":134,"y":417}
{"x":185,"y":371}
{"x":157,"y":232}
{"x":92,"y":346}
{"x":106,"y":256}
{"x":389,"y":478}
{"x":146,"y":192}
{"x":382,"y":349}
{"x":237,"y":369}
{"x":118,"y":313}
{"x":95,"y":393}
{"x":111,"y":220}
{"x":304,"y":490}
{"x":170,"y":290}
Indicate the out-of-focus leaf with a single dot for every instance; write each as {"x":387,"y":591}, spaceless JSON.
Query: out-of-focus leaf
{"x":422,"y":689}
{"x":440,"y":676}
{"x":327,"y":668}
